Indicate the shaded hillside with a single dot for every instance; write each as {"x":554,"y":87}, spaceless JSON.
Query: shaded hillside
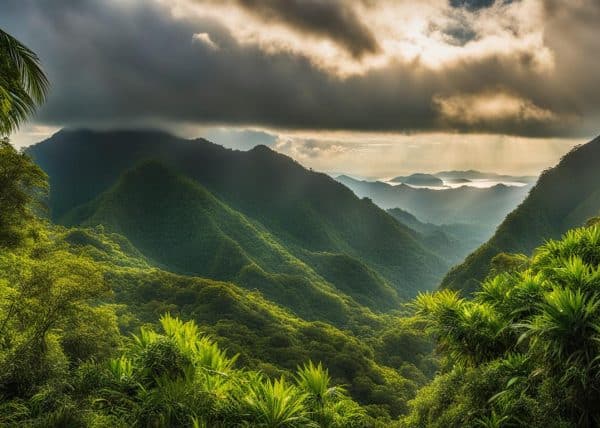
{"x":486,"y":207}
{"x":182,"y":227}
{"x":564,"y":197}
{"x":309,"y":213}
{"x":452,"y":242}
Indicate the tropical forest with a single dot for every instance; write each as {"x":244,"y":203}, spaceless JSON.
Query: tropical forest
{"x":288,"y":214}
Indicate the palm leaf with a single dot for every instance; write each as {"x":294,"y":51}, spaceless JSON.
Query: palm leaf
{"x":23,"y":84}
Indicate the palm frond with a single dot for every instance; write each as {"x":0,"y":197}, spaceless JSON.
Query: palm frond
{"x":23,"y":84}
{"x":275,"y":404}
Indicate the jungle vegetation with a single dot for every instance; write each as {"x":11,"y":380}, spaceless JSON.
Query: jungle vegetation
{"x":106,"y":322}
{"x":524,"y":351}
{"x":94,"y":334}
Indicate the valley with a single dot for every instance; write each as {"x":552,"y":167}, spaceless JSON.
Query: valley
{"x":299,"y":214}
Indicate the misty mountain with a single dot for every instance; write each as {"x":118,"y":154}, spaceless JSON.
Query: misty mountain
{"x":564,"y":197}
{"x":419,"y":180}
{"x":452,"y":242}
{"x":318,"y":221}
{"x":484,"y":207}
{"x":471,"y":175}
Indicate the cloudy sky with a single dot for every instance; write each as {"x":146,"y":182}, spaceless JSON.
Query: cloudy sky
{"x":367,"y":87}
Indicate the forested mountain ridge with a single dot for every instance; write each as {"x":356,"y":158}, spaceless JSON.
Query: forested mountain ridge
{"x":70,"y":299}
{"x":89,"y":290}
{"x":182,"y":227}
{"x":308,"y":212}
{"x":564,"y":197}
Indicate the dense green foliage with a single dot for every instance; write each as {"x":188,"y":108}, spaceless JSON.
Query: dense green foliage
{"x":80,"y":290}
{"x":71,"y":297}
{"x":181,"y":378}
{"x":47,"y":315}
{"x":21,"y":184}
{"x":525,"y":350}
{"x":564,"y":197}
{"x":56,"y":370}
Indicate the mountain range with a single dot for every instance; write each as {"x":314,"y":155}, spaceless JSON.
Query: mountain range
{"x":485,"y":207}
{"x":480,"y":175}
{"x":419,"y":179}
{"x":276,"y":262}
{"x":469,"y":178}
{"x":257,"y":218}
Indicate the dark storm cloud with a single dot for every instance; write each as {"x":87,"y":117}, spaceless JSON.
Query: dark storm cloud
{"x":459,"y":35}
{"x":119,"y":63}
{"x":472,"y":4}
{"x":333,"y":19}
{"x":477,"y":4}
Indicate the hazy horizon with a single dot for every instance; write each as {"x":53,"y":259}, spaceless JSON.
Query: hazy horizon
{"x":363,"y":160}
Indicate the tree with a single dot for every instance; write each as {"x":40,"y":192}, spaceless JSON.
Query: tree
{"x":23,"y":84}
{"x":525,"y":348}
{"x":22,"y":185}
{"x":43,"y":300}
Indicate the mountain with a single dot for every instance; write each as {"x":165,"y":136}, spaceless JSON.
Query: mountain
{"x":381,"y":362}
{"x":452,"y":242}
{"x":458,"y":180}
{"x":564,"y":197}
{"x":315,"y":220}
{"x":484,"y":207}
{"x":471,"y":175}
{"x":180,"y":226}
{"x":419,"y":180}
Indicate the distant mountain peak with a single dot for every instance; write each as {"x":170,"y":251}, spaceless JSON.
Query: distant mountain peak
{"x":346,"y":177}
{"x":262,"y":148}
{"x":419,"y":179}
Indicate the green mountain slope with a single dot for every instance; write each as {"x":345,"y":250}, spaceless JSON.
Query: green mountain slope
{"x":564,"y":197}
{"x":382,"y":361}
{"x":306,"y":211}
{"x":181,"y":226}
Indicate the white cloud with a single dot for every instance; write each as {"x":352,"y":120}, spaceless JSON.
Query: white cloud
{"x":205,"y":39}
{"x":404,"y":33}
{"x":379,"y":155}
{"x":32,"y":133}
{"x":486,"y":107}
